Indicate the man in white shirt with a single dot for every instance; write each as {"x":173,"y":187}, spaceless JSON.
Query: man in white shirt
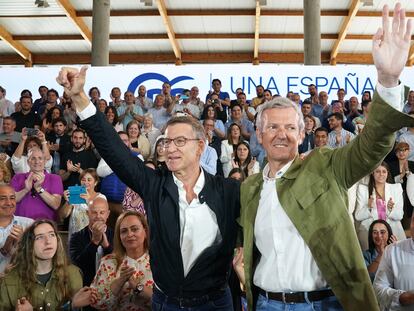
{"x":300,"y":249}
{"x":11,"y":226}
{"x":394,"y":281}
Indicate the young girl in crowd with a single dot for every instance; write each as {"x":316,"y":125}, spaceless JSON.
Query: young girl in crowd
{"x":228,"y":147}
{"x":39,"y":277}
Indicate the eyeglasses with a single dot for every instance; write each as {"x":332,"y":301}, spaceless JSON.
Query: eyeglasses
{"x":178,"y":141}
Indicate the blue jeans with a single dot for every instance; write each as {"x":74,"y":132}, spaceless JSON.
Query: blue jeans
{"x":327,"y":304}
{"x":224,"y":303}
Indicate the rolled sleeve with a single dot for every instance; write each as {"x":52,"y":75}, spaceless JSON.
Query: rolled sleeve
{"x":89,"y":111}
{"x":393,"y":96}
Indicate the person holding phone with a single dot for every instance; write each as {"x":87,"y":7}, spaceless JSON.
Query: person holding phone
{"x":79,"y":212}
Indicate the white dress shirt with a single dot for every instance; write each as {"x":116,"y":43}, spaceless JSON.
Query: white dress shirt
{"x":5,"y":232}
{"x":395,"y":275}
{"x":198,"y":224}
{"x":286,"y":263}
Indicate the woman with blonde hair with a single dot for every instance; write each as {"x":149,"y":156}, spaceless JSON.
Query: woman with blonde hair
{"x":124,"y":279}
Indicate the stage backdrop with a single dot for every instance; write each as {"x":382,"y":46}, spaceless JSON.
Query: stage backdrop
{"x":278,"y":78}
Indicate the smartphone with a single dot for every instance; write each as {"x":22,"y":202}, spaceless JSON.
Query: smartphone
{"x":31,"y":132}
{"x":74,"y":194}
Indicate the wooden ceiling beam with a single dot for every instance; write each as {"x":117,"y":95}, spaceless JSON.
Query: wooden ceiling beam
{"x":410,"y":61}
{"x":256,"y":34}
{"x":187,"y":36}
{"x":353,"y":9}
{"x":16,"y":46}
{"x":78,"y":21}
{"x":170,"y":30}
{"x":195,"y":58}
{"x":210,"y":12}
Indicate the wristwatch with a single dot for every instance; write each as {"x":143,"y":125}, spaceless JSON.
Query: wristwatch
{"x":139,"y":289}
{"x":41,"y":190}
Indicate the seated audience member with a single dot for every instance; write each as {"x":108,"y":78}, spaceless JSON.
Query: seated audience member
{"x":79,"y":212}
{"x":219,"y":129}
{"x":116,"y":97}
{"x":400,"y":170}
{"x":124,"y":279}
{"x":159,"y":112}
{"x":9,"y":138}
{"x":213,"y":142}
{"x":379,"y":236}
{"x":102,"y":104}
{"x":246,"y":126}
{"x":360,"y":120}
{"x":185,"y":106}
{"x":38,"y":193}
{"x":247,"y":110}
{"x":142,"y":100}
{"x":408,"y":137}
{"x":208,"y":160}
{"x":59,"y":142}
{"x":26,"y":117}
{"x":159,"y":157}
{"x":150,"y":131}
{"x":111,"y":186}
{"x":259,"y":99}
{"x":52,"y":101}
{"x":194,"y":99}
{"x":76,"y":160}
{"x":128,"y":111}
{"x":354,"y":111}
{"x":139,"y":143}
{"x":338,"y":137}
{"x":19,"y":158}
{"x":219,"y":107}
{"x":244,"y":160}
{"x":132,"y":201}
{"x":238,"y":174}
{"x":308,"y":141}
{"x":89,"y":245}
{"x":94,"y":95}
{"x":53,"y":114}
{"x":42,"y":100}
{"x":39,"y":277}
{"x":5,"y":174}
{"x":228,"y":147}
{"x":11,"y":226}
{"x":112,"y":117}
{"x":394,"y":281}
{"x":379,"y":200}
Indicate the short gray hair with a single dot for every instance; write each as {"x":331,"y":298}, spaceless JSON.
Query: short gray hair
{"x":279,"y":103}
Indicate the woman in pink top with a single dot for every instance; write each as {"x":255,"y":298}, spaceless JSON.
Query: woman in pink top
{"x":379,"y":200}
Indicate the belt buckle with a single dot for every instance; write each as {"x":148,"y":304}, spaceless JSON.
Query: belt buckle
{"x":284,"y":298}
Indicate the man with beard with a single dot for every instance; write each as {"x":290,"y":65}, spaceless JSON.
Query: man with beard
{"x":59,"y":142}
{"x":259,"y":99}
{"x":142,"y":100}
{"x":76,"y":160}
{"x":26,"y":117}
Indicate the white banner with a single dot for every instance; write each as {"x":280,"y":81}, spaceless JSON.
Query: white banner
{"x":278,"y":78}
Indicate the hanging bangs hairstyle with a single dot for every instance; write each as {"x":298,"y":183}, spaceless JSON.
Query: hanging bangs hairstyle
{"x":25,"y":263}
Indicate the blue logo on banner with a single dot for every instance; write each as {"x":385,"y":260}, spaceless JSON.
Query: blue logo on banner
{"x":136,"y":82}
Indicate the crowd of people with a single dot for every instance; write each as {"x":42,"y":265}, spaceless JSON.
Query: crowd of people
{"x":149,"y":192}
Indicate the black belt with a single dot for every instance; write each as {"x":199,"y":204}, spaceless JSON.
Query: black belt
{"x":298,"y":297}
{"x":189,"y":302}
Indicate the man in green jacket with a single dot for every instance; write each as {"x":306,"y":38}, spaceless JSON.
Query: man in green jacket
{"x":300,"y":246}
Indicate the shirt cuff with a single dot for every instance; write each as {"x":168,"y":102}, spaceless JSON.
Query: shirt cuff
{"x":393,"y":96}
{"x":89,"y":111}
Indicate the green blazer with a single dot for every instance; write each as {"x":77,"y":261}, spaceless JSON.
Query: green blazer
{"x":313,"y":193}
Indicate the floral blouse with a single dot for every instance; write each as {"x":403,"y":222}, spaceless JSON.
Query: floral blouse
{"x":107,"y":273}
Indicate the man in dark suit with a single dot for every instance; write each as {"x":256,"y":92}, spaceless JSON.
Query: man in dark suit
{"x":192,"y":214}
{"x":89,"y":245}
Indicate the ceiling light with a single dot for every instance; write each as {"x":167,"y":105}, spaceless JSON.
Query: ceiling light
{"x":147,"y":2}
{"x":368,"y":2}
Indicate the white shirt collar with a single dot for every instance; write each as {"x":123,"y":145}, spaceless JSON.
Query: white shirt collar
{"x":198,"y":185}
{"x":279,"y":174}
